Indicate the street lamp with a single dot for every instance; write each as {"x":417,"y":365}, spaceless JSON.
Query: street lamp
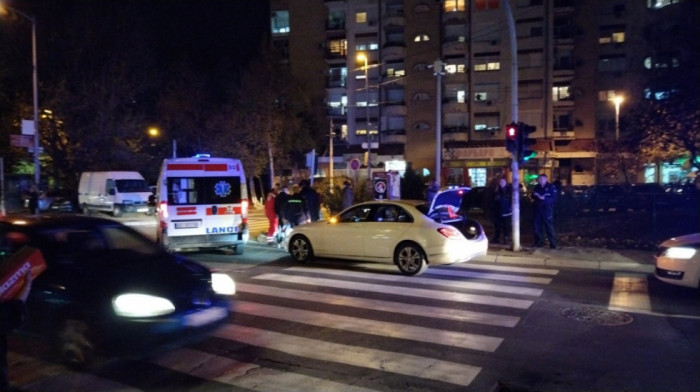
{"x":35,"y":86}
{"x":617,"y":100}
{"x":363,"y":57}
{"x":155,"y":132}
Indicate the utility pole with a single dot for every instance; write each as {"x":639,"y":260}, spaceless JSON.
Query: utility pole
{"x":514,"y":116}
{"x":439,"y":71}
{"x":330,"y":160}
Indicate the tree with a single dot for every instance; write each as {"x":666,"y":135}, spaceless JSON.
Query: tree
{"x":267,"y":121}
{"x":670,"y":130}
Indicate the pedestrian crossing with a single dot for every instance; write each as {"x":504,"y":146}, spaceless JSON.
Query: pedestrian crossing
{"x":324,"y":328}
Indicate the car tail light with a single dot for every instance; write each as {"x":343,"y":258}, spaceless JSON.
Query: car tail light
{"x":449,"y":232}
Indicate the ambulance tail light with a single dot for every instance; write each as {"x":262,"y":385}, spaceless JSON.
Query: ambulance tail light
{"x":163,"y":209}
{"x":244,"y":210}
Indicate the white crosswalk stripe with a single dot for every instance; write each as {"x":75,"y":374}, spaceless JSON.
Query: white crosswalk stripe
{"x":468,"y":308}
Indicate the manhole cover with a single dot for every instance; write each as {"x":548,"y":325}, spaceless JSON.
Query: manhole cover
{"x":597,"y":316}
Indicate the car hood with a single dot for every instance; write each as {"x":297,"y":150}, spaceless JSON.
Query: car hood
{"x":684,"y":240}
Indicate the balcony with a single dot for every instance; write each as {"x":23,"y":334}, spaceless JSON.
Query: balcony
{"x":394,"y":50}
{"x":455,"y":134}
{"x":393,"y":20}
{"x":454,"y":46}
{"x":394,"y":109}
{"x":335,"y":26}
{"x":394,"y":136}
{"x":454,"y":107}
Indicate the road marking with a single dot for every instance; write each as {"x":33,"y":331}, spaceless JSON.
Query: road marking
{"x":372,"y":327}
{"x":426,"y":281}
{"x":387,"y":361}
{"x":246,"y":375}
{"x":631,"y":291}
{"x":398,"y":290}
{"x":491,"y":276}
{"x":489,"y":267}
{"x":384,"y":306}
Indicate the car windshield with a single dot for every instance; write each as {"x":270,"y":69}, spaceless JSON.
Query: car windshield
{"x":135,"y":185}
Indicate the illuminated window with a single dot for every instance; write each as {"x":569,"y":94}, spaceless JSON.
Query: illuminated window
{"x":561,"y":93}
{"x":361,"y":17}
{"x":279,"y":21}
{"x":338,"y":47}
{"x":492,"y":66}
{"x":421,"y":38}
{"x":454,"y":5}
{"x":482,"y":5}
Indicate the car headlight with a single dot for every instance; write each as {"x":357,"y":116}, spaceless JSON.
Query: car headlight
{"x":222,"y":284}
{"x":141,"y":305}
{"x":680,"y":252}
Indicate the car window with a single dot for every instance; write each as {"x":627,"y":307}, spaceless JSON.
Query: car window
{"x":357,"y":214}
{"x":123,"y":239}
{"x":390,"y":213}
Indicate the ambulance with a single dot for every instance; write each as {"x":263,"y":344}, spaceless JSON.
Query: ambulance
{"x":202,"y":203}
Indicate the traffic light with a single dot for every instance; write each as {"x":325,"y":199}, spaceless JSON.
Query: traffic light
{"x":512,"y":133}
{"x":524,"y":141}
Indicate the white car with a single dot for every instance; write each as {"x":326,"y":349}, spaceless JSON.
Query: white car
{"x":388,"y":231}
{"x":678,"y":261}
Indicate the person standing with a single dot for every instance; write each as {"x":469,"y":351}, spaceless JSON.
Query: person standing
{"x":271,"y":215}
{"x":544,"y":196}
{"x":297,"y":212}
{"x":313,"y":200}
{"x":281,"y":206}
{"x":502,"y":210}
{"x":12,"y":314}
{"x":348,"y":195}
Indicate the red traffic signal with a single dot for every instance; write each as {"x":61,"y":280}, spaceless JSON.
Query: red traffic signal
{"x":512,"y":138}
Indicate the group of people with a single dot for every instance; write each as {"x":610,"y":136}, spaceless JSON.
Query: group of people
{"x":287,"y":208}
{"x":543,"y":195}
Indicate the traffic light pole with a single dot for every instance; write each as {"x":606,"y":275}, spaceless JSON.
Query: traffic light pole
{"x":515,"y":234}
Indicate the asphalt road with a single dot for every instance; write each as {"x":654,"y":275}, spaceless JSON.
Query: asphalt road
{"x":340,"y":326}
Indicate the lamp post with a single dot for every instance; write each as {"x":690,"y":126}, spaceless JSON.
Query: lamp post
{"x":155,"y":132}
{"x":363,"y":57}
{"x":35,"y":92}
{"x":617,"y":100}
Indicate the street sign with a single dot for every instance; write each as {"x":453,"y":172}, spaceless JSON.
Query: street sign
{"x":355,"y":164}
{"x":22,"y":140}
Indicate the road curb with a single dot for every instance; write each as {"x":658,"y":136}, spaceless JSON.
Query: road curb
{"x":559,"y":262}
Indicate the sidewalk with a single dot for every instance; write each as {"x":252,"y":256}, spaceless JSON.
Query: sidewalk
{"x":574,"y":257}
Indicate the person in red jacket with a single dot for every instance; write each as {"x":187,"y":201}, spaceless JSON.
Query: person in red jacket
{"x":271,"y":215}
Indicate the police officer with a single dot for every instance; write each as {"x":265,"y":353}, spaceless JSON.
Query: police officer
{"x":544,"y":196}
{"x":502,"y":210}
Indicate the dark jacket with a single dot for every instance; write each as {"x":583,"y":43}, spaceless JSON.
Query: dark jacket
{"x":545,"y":206}
{"x":12,"y":314}
{"x":503,"y":201}
{"x":297,"y":212}
{"x":281,"y":205}
{"x":313,"y":202}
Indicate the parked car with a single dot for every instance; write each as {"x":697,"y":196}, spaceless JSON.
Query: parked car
{"x":388,"y":231}
{"x":55,"y":200}
{"x":678,"y":261}
{"x":109,"y":290}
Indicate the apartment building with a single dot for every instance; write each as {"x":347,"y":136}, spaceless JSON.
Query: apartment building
{"x":389,"y":72}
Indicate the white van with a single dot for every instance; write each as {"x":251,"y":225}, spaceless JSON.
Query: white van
{"x":113,"y":191}
{"x":202,"y":203}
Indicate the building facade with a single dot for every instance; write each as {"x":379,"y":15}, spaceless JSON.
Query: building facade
{"x":389,"y":72}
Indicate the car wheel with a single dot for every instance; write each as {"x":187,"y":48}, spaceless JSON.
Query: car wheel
{"x":85,"y":209}
{"x":300,"y":249}
{"x":74,"y":344}
{"x":117,"y":212}
{"x":410,"y":259}
{"x":472,"y":229}
{"x":238,"y":250}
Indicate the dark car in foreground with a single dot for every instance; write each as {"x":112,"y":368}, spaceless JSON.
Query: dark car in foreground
{"x":108,"y":290}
